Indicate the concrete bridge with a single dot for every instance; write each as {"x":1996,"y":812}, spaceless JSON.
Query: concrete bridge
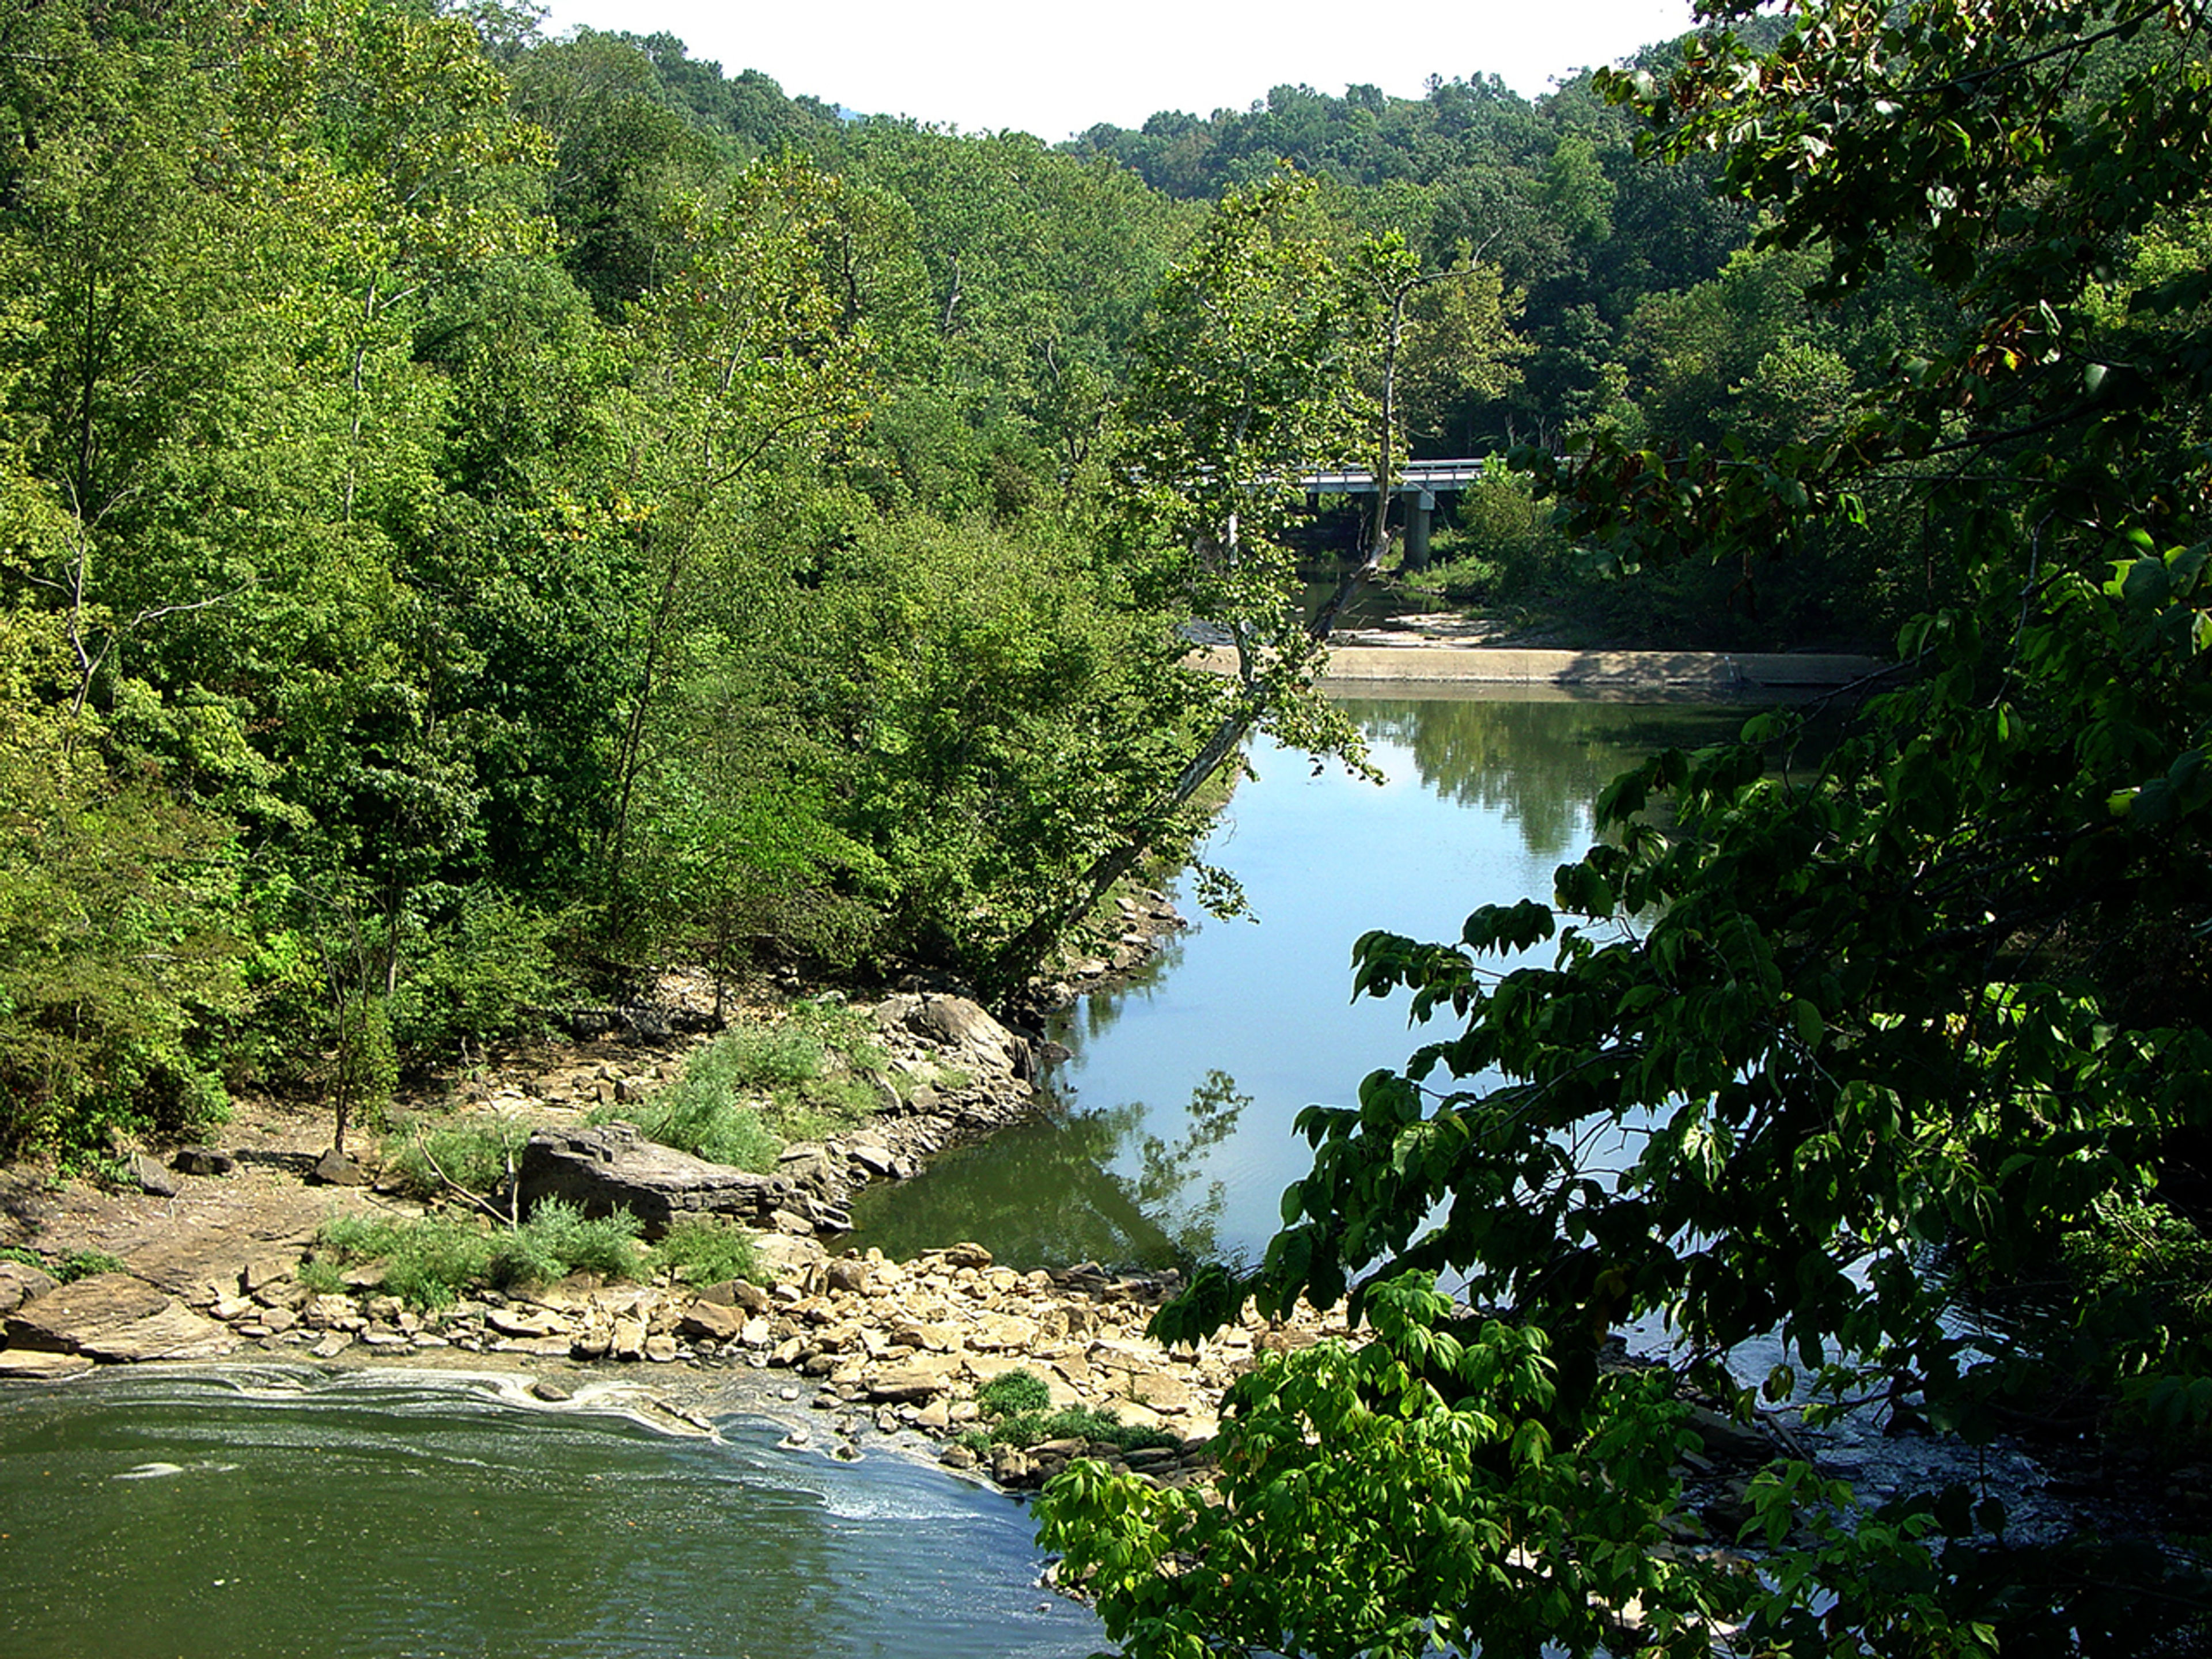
{"x":1419,"y":483}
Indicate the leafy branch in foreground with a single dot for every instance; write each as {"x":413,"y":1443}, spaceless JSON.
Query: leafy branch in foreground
{"x":1422,"y":1490}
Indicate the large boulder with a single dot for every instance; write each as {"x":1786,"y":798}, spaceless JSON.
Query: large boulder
{"x":610,"y":1166}
{"x":966,"y":1028}
{"x":19,"y":1283}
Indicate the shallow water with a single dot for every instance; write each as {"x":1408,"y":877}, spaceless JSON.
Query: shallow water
{"x":240,"y":1513}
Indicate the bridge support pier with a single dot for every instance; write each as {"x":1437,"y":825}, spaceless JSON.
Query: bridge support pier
{"x":1419,"y":504}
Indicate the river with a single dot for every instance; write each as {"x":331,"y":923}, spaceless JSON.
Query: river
{"x":1171,"y":1133}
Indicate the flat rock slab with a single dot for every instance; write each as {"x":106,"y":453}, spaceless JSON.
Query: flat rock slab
{"x":610,"y":1166}
{"x":36,"y":1365}
{"x":116,"y":1318}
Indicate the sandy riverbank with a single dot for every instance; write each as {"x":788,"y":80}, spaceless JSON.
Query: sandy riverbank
{"x":1361,"y":665}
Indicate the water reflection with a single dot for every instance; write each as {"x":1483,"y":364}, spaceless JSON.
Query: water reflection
{"x":1153,"y":1156}
{"x":1078,"y":1185}
{"x":1539,"y":764}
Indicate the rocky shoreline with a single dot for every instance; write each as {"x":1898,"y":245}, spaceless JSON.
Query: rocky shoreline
{"x":890,"y":1346}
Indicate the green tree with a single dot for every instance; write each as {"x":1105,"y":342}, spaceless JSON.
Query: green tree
{"x":745,"y":370}
{"x":1882,"y":1030}
{"x":1245,"y":381}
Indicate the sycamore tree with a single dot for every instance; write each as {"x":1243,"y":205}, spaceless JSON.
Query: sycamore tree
{"x":1891,"y":1030}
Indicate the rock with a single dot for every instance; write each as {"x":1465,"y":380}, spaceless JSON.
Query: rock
{"x":956,"y":1457}
{"x":1728,"y":1440}
{"x":151,"y":1176}
{"x":845,"y":1273}
{"x":116,"y":1317}
{"x":906,"y":1383}
{"x":203,"y":1161}
{"x":549,"y":1391}
{"x":335,"y":1168}
{"x":968,"y":1255}
{"x":612,"y":1167}
{"x":19,"y":1283}
{"x":258,"y":1275}
{"x":1004,"y":1332}
{"x":959,"y":1024}
{"x":872,"y":1156}
{"x":660,"y":1350}
{"x":628,"y":1339}
{"x":38,"y":1365}
{"x":332,"y":1344}
{"x":1162,"y":1392}
{"x":788,"y":1257}
{"x":715,"y":1320}
{"x":536,"y":1322}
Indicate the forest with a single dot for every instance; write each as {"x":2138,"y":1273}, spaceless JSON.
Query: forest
{"x":488,"y":517}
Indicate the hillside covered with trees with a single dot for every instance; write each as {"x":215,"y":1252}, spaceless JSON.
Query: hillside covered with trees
{"x":487,"y":515}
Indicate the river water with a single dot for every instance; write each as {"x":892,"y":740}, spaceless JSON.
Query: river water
{"x":273,"y":1513}
{"x":1171,"y":1137}
{"x":239,"y":1513}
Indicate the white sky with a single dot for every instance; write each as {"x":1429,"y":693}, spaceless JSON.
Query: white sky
{"x":1057,"y":68}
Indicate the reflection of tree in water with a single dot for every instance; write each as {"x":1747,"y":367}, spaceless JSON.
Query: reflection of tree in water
{"x":1094,"y":1013}
{"x":1046,"y":1194}
{"x":1541,"y":764}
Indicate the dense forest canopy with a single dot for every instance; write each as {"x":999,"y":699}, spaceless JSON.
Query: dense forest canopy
{"x":488,"y":514}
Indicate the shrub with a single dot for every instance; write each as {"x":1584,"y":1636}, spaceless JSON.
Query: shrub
{"x":699,"y":1115}
{"x":707,"y":1251}
{"x":758,"y":1086}
{"x":1018,"y":1406}
{"x":1012,"y":1393}
{"x":557,"y":1240}
{"x":490,"y":976}
{"x":428,"y":1261}
{"x":72,"y":1265}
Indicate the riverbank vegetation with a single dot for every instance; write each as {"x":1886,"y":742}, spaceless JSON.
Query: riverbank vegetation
{"x":483,"y":517}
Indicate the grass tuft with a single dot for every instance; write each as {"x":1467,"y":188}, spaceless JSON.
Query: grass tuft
{"x":473,"y":1152}
{"x":557,"y":1240}
{"x":428,"y":1261}
{"x":1017,"y":1409}
{"x":758,"y":1087}
{"x":431,"y":1261}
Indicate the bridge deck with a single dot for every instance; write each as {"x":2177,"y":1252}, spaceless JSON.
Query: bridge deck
{"x":1421,"y":476}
